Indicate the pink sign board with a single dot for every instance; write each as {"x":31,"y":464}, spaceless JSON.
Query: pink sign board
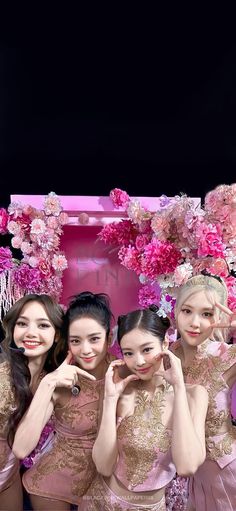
{"x":93,"y":266}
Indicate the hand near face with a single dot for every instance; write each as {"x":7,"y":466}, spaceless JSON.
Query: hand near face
{"x":114,"y":384}
{"x":66,"y":375}
{"x":229,"y":322}
{"x":172,"y":369}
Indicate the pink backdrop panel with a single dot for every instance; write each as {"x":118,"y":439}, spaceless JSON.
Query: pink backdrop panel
{"x":93,"y":266}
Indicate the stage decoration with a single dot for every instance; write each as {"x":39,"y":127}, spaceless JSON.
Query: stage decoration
{"x":36,"y":233}
{"x":165,"y":247}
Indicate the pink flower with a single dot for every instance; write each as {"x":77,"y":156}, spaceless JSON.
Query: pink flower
{"x":119,"y":197}
{"x":141,"y":241}
{"x":121,"y":233}
{"x":182,"y":273}
{"x":129,"y":257}
{"x":161,"y":226}
{"x":3,"y":220}
{"x":63,"y":218}
{"x":52,"y":205}
{"x":210,"y":242}
{"x":5,"y":259}
{"x":14,"y":227}
{"x":28,"y":278}
{"x":52,"y":222}
{"x":148,"y":295}
{"x":159,"y":257}
{"x":16,"y":242}
{"x":38,"y":226}
{"x":33,"y":261}
{"x":26,"y":247}
{"x":59,"y":262}
{"x":45,"y":267}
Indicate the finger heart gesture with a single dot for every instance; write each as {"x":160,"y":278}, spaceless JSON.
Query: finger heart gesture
{"x":114,"y":384}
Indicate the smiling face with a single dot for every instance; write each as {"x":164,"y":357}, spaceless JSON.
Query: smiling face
{"x":33,"y":330}
{"x":195,"y":317}
{"x":139,"y":350}
{"x":88,"y":344}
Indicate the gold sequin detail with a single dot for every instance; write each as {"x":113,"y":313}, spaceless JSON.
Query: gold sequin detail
{"x":7,"y":397}
{"x":143,"y":433}
{"x":77,"y":461}
{"x":207,"y":370}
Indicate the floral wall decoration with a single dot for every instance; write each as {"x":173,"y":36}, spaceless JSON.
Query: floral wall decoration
{"x":164,"y":248}
{"x":36,"y":233}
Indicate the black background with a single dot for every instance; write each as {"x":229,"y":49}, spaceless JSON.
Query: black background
{"x":140,"y":100}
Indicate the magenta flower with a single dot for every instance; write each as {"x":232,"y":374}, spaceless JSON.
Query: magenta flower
{"x":3,"y":220}
{"x":5,"y":259}
{"x":119,"y":197}
{"x":28,"y":278}
{"x":148,"y":295}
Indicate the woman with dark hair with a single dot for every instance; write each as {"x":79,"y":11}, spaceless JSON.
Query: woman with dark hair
{"x":32,"y":328}
{"x":151,"y":426}
{"x":63,"y":473}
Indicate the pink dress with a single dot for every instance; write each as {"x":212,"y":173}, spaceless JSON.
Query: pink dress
{"x":213,"y":487}
{"x":144,"y":462}
{"x":66,"y":470}
{"x":9,"y":464}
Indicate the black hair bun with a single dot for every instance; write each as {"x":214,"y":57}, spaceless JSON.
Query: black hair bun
{"x":165,"y":321}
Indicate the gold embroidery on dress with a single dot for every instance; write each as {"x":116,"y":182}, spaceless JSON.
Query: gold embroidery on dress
{"x":207,"y":370}
{"x":222,"y":447}
{"x":143,"y":434}
{"x":7,"y":396}
{"x":65,"y":456}
{"x":4,"y":453}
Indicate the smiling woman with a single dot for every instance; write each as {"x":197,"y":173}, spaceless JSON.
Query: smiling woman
{"x":32,"y":327}
{"x":140,"y":444}
{"x":204,"y":321}
{"x":72,"y":393}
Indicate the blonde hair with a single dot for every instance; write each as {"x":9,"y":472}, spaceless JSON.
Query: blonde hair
{"x":214,"y":289}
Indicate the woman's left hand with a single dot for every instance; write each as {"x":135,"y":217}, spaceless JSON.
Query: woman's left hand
{"x":172,"y":369}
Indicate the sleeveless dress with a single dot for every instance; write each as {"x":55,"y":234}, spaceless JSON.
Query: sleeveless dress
{"x":213,"y":487}
{"x":66,"y":470}
{"x":9,"y":464}
{"x":144,"y":463}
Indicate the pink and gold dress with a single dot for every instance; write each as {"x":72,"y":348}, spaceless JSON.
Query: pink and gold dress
{"x":144,"y":463}
{"x":9,"y":464}
{"x":66,"y":470}
{"x":213,"y":487}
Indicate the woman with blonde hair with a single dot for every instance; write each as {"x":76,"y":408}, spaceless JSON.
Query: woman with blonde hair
{"x":204,"y":321}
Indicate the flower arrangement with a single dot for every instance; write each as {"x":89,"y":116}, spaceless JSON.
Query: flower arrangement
{"x":36,"y":233}
{"x":165,"y":247}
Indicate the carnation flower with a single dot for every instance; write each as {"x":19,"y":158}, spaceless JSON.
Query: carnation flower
{"x":5,"y":259}
{"x":119,"y":198}
{"x":3,"y":221}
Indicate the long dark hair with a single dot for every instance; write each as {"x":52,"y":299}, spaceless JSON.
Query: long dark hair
{"x":19,"y":370}
{"x":143,"y":319}
{"x":85,"y":304}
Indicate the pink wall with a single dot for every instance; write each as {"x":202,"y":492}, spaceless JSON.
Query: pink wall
{"x":93,"y":266}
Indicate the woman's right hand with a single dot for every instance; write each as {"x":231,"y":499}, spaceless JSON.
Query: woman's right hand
{"x":114,"y":384}
{"x":66,"y":375}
